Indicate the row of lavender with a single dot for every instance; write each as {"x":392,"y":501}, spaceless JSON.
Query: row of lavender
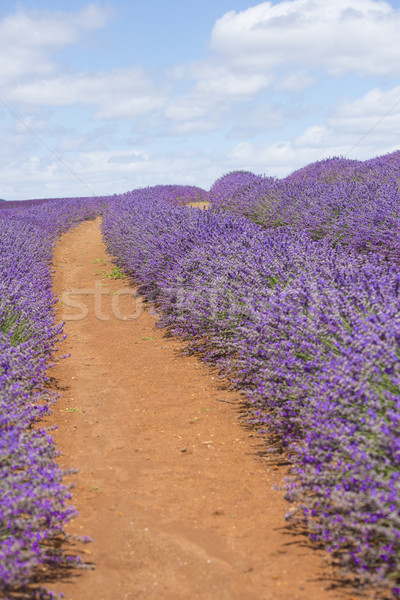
{"x":310,"y":333}
{"x":33,"y":499}
{"x":350,"y":202}
{"x":177,"y":195}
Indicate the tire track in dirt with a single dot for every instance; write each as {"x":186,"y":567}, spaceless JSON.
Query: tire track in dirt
{"x":170,"y":484}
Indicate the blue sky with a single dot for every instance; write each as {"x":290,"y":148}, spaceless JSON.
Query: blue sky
{"x":104,"y":97}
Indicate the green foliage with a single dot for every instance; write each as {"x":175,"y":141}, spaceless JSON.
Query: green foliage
{"x":18,"y":327}
{"x":115,"y":273}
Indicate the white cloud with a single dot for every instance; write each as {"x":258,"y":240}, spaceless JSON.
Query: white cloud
{"x":187,"y":108}
{"x":31,"y":79}
{"x":188,"y":128}
{"x":216,"y":88}
{"x":118,"y":94}
{"x":342,"y":36}
{"x":104,"y":172}
{"x":128,"y":106}
{"x":26,"y":38}
{"x":295,"y":82}
{"x":362,"y":129}
{"x":278,"y":159}
{"x":258,"y":119}
{"x":192,"y":114}
{"x":220,"y":82}
{"x":282,"y":48}
{"x":79,"y":141}
{"x":249,"y":88}
{"x":313,"y":137}
{"x":377,"y":112}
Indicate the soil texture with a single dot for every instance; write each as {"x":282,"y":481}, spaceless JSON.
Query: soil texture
{"x":175,"y":490}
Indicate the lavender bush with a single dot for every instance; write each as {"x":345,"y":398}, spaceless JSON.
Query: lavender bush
{"x":351,"y":203}
{"x":174,"y":195}
{"x":225,"y":191}
{"x":12,"y":204}
{"x":311,"y":334}
{"x":33,"y":500}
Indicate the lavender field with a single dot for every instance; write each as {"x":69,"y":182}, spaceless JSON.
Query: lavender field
{"x":33,"y":500}
{"x":291,"y":287}
{"x":348,"y":202}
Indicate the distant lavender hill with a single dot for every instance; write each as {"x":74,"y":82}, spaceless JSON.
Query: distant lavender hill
{"x":21,"y":203}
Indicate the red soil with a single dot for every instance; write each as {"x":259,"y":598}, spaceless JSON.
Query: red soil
{"x":174,"y":489}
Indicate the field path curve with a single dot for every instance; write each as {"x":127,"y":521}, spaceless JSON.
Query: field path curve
{"x":170,"y":483}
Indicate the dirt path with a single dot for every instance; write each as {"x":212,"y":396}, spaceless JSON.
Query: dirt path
{"x":169,"y":485}
{"x":202,"y":204}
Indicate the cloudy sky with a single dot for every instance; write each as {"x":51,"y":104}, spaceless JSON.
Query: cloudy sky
{"x":104,"y":97}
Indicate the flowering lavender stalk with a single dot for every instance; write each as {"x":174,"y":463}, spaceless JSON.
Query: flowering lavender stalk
{"x":33,"y":500}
